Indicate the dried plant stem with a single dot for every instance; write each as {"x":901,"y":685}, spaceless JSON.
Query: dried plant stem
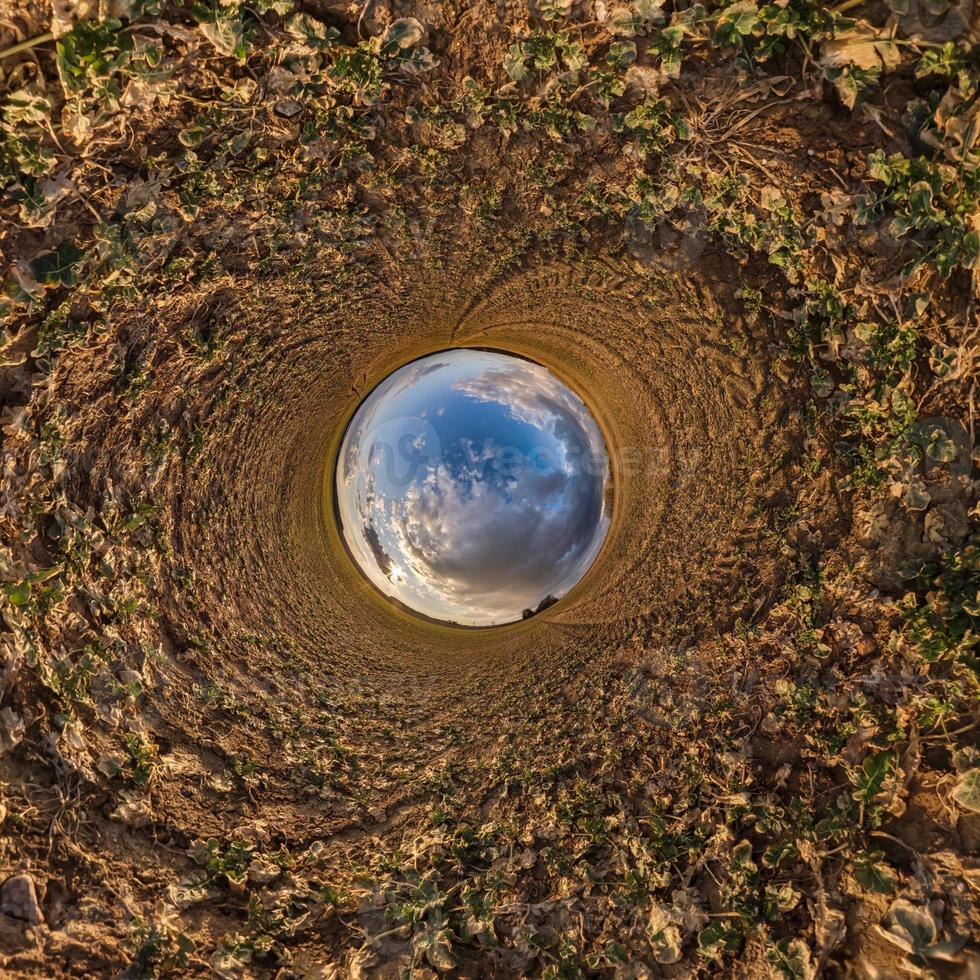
{"x":27,"y":45}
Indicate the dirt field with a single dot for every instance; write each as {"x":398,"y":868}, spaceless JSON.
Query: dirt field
{"x":745,"y":745}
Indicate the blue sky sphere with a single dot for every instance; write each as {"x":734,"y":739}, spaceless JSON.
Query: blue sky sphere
{"x":471,"y":485}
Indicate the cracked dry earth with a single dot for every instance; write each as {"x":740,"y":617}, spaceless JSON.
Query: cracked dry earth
{"x":744,"y":745}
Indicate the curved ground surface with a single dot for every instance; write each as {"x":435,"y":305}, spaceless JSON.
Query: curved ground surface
{"x":745,"y":744}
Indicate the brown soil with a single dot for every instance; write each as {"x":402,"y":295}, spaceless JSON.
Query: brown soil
{"x":287,"y":704}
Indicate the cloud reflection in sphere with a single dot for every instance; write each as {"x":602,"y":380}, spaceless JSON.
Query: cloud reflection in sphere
{"x":471,"y":486}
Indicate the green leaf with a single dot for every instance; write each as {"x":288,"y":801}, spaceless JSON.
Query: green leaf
{"x":515,"y":63}
{"x":945,"y":61}
{"x":792,"y":960}
{"x":554,"y":9}
{"x":940,"y":447}
{"x":889,"y":170}
{"x":574,"y":56}
{"x":652,"y":10}
{"x":847,"y":89}
{"x":920,"y":197}
{"x":967,"y":791}
{"x":870,"y":778}
{"x":853,"y":84}
{"x":92,"y":52}
{"x":224,"y":27}
{"x":25,"y":107}
{"x":621,"y":54}
{"x":737,"y":21}
{"x":622,"y":23}
{"x":717,"y":939}
{"x":436,"y":942}
{"x":18,"y":593}
{"x":874,"y":874}
{"x":970,"y":250}
{"x":780,"y":899}
{"x":402,"y":34}
{"x":741,"y":859}
{"x":311,"y":32}
{"x":13,"y":290}
{"x":57,"y":268}
{"x":191,"y":136}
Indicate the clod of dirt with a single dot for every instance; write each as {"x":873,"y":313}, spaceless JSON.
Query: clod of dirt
{"x":18,"y":899}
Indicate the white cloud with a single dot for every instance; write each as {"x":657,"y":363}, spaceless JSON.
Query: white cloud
{"x":497,"y":547}
{"x":482,"y":539}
